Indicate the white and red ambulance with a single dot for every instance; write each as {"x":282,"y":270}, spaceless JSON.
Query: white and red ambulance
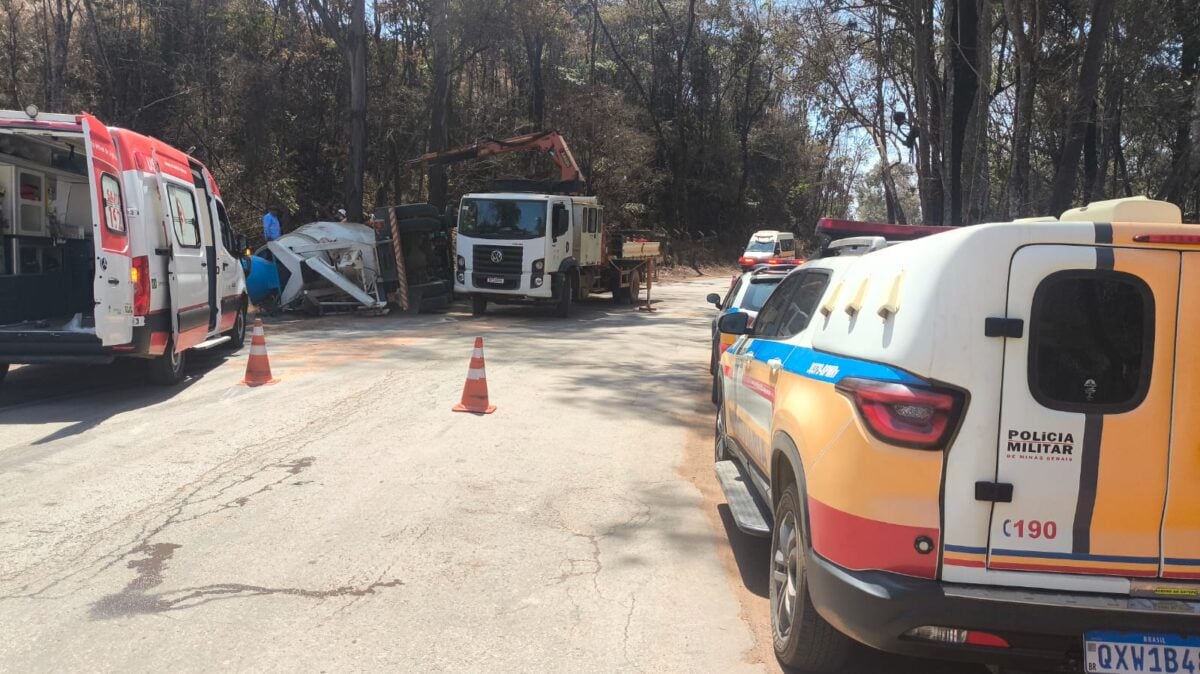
{"x":112,"y":245}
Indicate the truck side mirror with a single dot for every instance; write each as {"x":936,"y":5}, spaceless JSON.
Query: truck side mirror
{"x":561,"y":221}
{"x":243,"y":245}
{"x":714,"y":299}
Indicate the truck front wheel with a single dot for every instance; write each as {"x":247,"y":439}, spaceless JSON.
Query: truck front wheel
{"x":478,"y":306}
{"x":566,"y":293}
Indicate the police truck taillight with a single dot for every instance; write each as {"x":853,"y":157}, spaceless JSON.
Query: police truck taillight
{"x":909,"y":416}
{"x":139,"y":275}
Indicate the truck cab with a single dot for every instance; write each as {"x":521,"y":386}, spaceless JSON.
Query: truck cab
{"x":526,"y":248}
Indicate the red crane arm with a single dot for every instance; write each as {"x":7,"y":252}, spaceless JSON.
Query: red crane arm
{"x":549,"y":142}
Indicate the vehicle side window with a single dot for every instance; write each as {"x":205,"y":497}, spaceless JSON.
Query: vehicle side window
{"x":770,"y":317}
{"x":226,"y":230}
{"x":114,"y":206}
{"x":1091,"y":341}
{"x":802,"y":302}
{"x":728,"y":301}
{"x":184,"y":217}
{"x":790,"y":308}
{"x":787,"y":245}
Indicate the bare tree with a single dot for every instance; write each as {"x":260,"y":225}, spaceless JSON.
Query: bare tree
{"x":348,"y":28}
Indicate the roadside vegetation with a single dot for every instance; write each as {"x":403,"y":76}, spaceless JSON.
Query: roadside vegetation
{"x":704,"y":118}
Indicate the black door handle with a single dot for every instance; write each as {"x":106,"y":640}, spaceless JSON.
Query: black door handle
{"x":114,"y":282}
{"x":203,"y":264}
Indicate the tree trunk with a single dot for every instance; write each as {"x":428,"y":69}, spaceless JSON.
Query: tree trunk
{"x":1177,"y":185}
{"x":356,"y":61}
{"x":976,"y":181}
{"x":924,"y":69}
{"x":535,"y":45}
{"x":1027,"y":48}
{"x":439,"y":102}
{"x":962,"y":84}
{"x":1062,"y":191}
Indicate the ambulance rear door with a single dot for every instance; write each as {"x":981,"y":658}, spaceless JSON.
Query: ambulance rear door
{"x":112,"y":286}
{"x":1085,"y":418}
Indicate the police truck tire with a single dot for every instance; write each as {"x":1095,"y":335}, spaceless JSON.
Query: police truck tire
{"x":801,"y":637}
{"x":721,"y":437}
{"x":167,"y":369}
{"x":478,"y":306}
{"x":237,"y":336}
{"x":411,"y":211}
{"x":566,"y":293}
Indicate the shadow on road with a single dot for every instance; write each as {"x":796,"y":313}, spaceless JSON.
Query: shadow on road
{"x":85,"y":396}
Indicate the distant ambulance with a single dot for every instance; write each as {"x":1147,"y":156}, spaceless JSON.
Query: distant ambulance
{"x":768,"y":247}
{"x":112,"y":244}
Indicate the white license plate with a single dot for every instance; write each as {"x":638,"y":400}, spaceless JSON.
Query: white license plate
{"x":1121,"y":652}
{"x":496,"y":280}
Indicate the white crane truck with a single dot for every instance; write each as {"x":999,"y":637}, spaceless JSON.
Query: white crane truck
{"x":549,"y":246}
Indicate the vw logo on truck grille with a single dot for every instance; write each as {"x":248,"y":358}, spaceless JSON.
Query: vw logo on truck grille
{"x":497,"y":257}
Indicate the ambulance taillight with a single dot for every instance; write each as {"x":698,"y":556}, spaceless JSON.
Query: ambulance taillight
{"x":139,"y":274}
{"x":907,"y":416}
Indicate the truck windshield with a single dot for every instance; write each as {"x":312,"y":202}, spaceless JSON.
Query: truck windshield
{"x":502,"y":219}
{"x":761,"y":247}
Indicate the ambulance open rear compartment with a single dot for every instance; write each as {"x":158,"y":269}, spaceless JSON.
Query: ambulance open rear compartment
{"x":47,"y":246}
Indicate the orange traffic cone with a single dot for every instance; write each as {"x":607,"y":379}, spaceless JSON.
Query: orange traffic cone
{"x":475,"y":394}
{"x":258,"y":368}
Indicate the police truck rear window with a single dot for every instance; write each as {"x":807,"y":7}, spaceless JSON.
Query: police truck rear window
{"x":1091,"y":341}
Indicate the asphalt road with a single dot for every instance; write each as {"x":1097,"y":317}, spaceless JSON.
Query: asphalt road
{"x":344,"y":519}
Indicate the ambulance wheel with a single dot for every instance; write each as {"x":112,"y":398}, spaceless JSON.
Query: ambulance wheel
{"x":237,"y":336}
{"x":3,"y":371}
{"x":721,"y":437}
{"x":478,"y":306}
{"x":802,"y":638}
{"x":167,"y":369}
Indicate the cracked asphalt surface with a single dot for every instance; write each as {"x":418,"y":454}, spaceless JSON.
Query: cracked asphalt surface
{"x":344,"y":519}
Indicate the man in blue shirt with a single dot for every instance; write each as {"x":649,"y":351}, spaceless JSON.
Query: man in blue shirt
{"x":270,"y":225}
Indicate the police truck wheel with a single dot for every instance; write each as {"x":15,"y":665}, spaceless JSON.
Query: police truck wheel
{"x":167,"y":369}
{"x":802,"y":638}
{"x":237,"y":336}
{"x":566,"y":295}
{"x":478,"y":306}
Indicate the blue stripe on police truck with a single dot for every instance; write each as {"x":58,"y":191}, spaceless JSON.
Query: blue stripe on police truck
{"x":808,"y":362}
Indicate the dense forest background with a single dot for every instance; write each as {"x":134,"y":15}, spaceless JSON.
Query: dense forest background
{"x":704,"y":118}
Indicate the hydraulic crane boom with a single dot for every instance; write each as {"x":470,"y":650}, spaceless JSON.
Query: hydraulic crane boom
{"x":549,"y":142}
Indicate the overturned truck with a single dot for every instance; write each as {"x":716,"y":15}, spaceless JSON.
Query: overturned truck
{"x":401,"y":259}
